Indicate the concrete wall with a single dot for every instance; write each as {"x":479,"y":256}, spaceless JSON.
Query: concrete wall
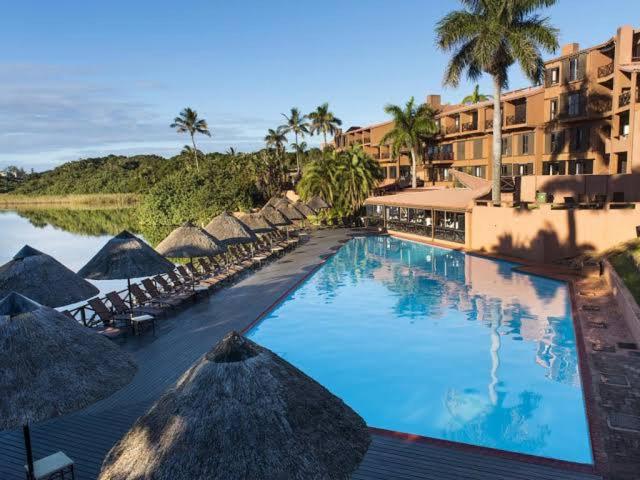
{"x":545,"y":235}
{"x":573,"y":185}
{"x":628,"y":306}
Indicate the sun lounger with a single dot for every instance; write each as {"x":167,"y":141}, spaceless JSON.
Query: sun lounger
{"x":179,"y":290}
{"x":172,"y":299}
{"x":109,"y":318}
{"x":122,"y":308}
{"x":144,"y":298}
{"x":196,"y":284}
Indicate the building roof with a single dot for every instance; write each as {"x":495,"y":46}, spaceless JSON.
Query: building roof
{"x":445,"y":198}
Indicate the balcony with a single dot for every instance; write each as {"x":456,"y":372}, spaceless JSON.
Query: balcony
{"x":624,"y":99}
{"x":605,"y":70}
{"x":366,"y":139}
{"x":452,"y":129}
{"x":488,"y":124}
{"x":440,"y":156}
{"x":469,"y":126}
{"x":517,"y":119}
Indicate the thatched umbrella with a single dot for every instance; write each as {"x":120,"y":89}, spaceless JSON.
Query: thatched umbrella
{"x":256,"y":222}
{"x":289,"y":211}
{"x":273,"y":200}
{"x":44,"y":279}
{"x":125,"y":256}
{"x":228,"y":230}
{"x":241,"y":412}
{"x":318,"y":203}
{"x":305,"y":209}
{"x":188,"y":241}
{"x":274,"y":216}
{"x":50,"y":365}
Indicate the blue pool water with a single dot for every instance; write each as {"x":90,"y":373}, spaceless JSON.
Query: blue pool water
{"x":438,"y":343}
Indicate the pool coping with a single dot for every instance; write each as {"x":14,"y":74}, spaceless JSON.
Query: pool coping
{"x":586,"y":384}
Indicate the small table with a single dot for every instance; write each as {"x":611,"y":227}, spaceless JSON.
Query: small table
{"x":53,"y":466}
{"x":138,"y":320}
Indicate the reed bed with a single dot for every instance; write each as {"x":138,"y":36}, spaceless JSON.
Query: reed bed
{"x":112,"y":200}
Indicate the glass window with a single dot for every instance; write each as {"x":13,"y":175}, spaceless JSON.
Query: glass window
{"x":393,"y":172}
{"x":404,"y":214}
{"x":553,"y":168}
{"x":393,"y":213}
{"x":573,"y":69}
{"x":524,"y":144}
{"x":574,"y":104}
{"x":553,"y":108}
{"x":554,"y":75}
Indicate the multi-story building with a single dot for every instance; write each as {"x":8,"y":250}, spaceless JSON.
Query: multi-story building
{"x":584,"y":119}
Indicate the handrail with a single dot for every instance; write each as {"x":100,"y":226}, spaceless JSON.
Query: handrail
{"x":605,"y":70}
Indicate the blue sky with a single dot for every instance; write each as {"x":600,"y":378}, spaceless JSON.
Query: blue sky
{"x":83,"y":78}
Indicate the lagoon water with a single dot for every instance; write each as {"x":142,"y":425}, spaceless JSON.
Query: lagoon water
{"x":70,"y":236}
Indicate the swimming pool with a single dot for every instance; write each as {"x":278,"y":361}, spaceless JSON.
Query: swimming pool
{"x":434,"y":342}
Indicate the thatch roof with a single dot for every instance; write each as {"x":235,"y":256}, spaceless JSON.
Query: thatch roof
{"x":51,"y":365}
{"x":188,"y":241}
{"x":274,"y":200}
{"x":255,"y":221}
{"x":125,"y":256}
{"x":274,"y":216}
{"x":305,"y":209}
{"x":241,"y":412}
{"x":289,"y":211}
{"x":317,"y":203}
{"x":44,"y":279}
{"x":228,"y":230}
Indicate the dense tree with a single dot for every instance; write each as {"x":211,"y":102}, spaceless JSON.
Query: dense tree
{"x":297,"y":124}
{"x":489,"y":36}
{"x":324,"y":121}
{"x":275,"y":138}
{"x":412,"y":125}
{"x":188,"y":122}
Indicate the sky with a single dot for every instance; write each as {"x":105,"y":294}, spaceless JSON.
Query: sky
{"x":82,"y":79}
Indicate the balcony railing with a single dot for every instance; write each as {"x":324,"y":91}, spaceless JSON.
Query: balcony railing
{"x":518,"y":118}
{"x":452,"y":129}
{"x":440,"y":156}
{"x":469,"y":126}
{"x":624,"y":99}
{"x":488,"y":124}
{"x":605,"y":70}
{"x":367,"y":140}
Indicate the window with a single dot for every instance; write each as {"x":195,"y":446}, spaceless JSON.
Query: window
{"x":553,"y":168}
{"x":393,"y":213}
{"x":506,"y":170}
{"x":580,"y":139}
{"x":580,"y":167}
{"x":449,"y":226}
{"x":393,"y":172}
{"x":524,"y":144}
{"x":574,"y":104}
{"x":555,"y":142}
{"x":506,"y":146}
{"x":622,"y":163}
{"x":460,"y":154}
{"x":477,"y":148}
{"x":457,"y":121}
{"x":478,"y":171}
{"x":553,"y":76}
{"x":553,"y":108}
{"x":523,"y":169}
{"x":573,"y":69}
{"x":405,"y":172}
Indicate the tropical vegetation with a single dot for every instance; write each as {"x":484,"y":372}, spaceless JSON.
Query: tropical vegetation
{"x":297,"y":124}
{"x":489,"y":36}
{"x":324,"y":121}
{"x":344,"y":179}
{"x":188,"y":122}
{"x":413,"y":125}
{"x":276,"y":138}
{"x":476,"y":96}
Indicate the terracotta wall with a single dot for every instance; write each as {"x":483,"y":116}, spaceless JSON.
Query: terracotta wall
{"x":545,"y":235}
{"x":573,"y":185}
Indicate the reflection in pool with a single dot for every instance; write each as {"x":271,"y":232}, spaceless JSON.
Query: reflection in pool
{"x":438,"y":343}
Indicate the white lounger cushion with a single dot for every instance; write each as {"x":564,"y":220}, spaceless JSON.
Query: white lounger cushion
{"x":142,"y":318}
{"x":46,"y":466}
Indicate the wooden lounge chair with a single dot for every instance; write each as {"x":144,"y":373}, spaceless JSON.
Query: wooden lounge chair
{"x":122,"y":308}
{"x":119,"y":320}
{"x":172,"y":299}
{"x":144,"y":298}
{"x":183,"y":291}
{"x":213,"y":272}
{"x":203,"y":277}
{"x":179,"y":281}
{"x":195,"y":282}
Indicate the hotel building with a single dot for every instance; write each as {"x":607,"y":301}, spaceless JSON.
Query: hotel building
{"x":584,"y":119}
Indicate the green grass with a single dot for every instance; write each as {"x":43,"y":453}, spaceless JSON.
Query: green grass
{"x":9,"y":200}
{"x":625,"y":259}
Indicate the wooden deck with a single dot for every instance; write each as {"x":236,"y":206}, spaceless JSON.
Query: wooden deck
{"x":86,"y":436}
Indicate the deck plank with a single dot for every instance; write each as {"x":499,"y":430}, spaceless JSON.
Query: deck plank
{"x":87,"y":435}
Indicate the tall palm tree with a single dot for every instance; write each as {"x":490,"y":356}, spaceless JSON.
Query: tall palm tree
{"x":476,"y":96}
{"x":358,"y":175}
{"x":188,"y":122}
{"x":296,"y":123}
{"x":231,"y":151}
{"x":276,"y":139}
{"x":323,"y":121}
{"x":489,"y":36}
{"x":411,"y":126}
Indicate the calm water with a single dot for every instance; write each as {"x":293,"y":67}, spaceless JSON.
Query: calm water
{"x":70,"y":236}
{"x":437,"y":343}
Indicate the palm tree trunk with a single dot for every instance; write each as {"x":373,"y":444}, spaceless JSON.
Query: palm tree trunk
{"x":195,"y":152}
{"x":414,"y":180}
{"x":324,"y":133}
{"x":497,"y":142}
{"x":297,"y":156}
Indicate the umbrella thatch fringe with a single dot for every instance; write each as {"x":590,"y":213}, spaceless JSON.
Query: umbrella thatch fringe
{"x":125,"y":256}
{"x":318,"y":203}
{"x":241,"y":412}
{"x":44,"y":279}
{"x":51,"y":365}
{"x":275,"y":216}
{"x":256,"y":222}
{"x":188,"y":241}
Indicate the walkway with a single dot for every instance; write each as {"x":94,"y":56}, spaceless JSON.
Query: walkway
{"x":86,"y":436}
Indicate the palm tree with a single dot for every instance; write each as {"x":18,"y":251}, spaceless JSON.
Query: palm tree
{"x":476,"y":96}
{"x":231,"y":151}
{"x":296,"y":123}
{"x":276,"y":139}
{"x":489,"y":36}
{"x":323,"y":121}
{"x":188,"y":122}
{"x":188,"y":151}
{"x":411,"y":126}
{"x":358,"y":174}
